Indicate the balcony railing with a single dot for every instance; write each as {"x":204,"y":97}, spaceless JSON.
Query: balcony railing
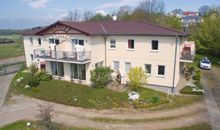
{"x":63,"y":55}
{"x":185,"y":56}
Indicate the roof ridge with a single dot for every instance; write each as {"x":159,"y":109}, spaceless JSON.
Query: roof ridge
{"x":174,"y":30}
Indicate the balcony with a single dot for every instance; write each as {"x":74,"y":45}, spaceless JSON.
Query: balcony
{"x":186,"y":57}
{"x":188,"y":51}
{"x":64,"y":56}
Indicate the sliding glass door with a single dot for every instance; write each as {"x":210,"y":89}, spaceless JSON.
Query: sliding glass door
{"x":78,"y":71}
{"x":57,"y":68}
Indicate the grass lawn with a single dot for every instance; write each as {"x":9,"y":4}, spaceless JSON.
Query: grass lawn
{"x":188,"y":90}
{"x":73,"y":94}
{"x":21,"y":125}
{"x":69,"y":93}
{"x":201,"y":126}
{"x":12,"y":49}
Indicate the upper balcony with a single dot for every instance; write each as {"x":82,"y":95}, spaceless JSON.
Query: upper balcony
{"x":64,"y":56}
{"x":187,"y":52}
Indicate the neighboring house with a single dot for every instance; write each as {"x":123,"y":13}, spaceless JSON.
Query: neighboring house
{"x":70,"y":50}
{"x":191,"y":20}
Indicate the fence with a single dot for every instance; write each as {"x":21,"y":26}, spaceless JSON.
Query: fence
{"x":11,"y":67}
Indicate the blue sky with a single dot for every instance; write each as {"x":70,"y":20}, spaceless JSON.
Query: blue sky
{"x":28,"y":13}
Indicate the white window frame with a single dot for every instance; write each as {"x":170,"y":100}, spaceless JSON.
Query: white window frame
{"x":40,"y":41}
{"x":31,"y":40}
{"x":54,"y":40}
{"x":127,"y":63}
{"x":77,"y":42}
{"x":114,"y":44}
{"x":159,"y":75}
{"x":154,"y":50}
{"x":114,"y":65}
{"x":148,"y":73}
{"x":130,"y":49}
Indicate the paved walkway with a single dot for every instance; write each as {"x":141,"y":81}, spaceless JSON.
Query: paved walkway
{"x":4,"y":85}
{"x":212,"y":106}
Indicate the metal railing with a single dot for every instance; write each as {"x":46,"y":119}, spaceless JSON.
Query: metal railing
{"x":186,"y":56}
{"x":63,"y":55}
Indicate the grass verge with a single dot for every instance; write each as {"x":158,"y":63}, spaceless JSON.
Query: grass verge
{"x":21,"y":125}
{"x":188,"y":90}
{"x":144,"y":120}
{"x":200,"y":126}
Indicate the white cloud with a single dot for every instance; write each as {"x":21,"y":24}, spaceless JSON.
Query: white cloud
{"x":102,"y":12}
{"x":116,"y":4}
{"x":37,"y":4}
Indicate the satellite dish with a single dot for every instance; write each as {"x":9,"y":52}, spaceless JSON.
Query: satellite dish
{"x":114,"y":17}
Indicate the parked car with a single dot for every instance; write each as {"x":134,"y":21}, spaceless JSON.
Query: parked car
{"x":205,"y":63}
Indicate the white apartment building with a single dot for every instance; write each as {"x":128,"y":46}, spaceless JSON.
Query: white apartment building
{"x":70,"y":50}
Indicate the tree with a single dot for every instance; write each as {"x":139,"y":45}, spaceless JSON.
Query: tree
{"x":88,"y":15}
{"x":73,"y":16}
{"x":203,"y":10}
{"x":173,"y":22}
{"x":149,"y":10}
{"x":207,"y":34}
{"x":124,"y":13}
{"x":45,"y":116}
{"x":100,"y":77}
{"x":137,"y":77}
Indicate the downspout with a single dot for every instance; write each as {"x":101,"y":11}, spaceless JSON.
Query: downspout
{"x":174,"y":68}
{"x":105,"y":40}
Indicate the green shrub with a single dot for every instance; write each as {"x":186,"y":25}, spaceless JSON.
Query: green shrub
{"x":198,"y":84}
{"x":154,"y":100}
{"x":100,"y":77}
{"x":33,"y":69}
{"x":197,"y":75}
{"x":43,"y":76}
{"x":33,"y":81}
{"x":136,"y":77}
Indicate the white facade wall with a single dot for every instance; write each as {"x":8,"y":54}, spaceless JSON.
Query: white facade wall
{"x":141,"y":55}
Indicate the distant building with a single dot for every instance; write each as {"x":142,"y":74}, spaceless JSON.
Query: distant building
{"x":187,"y":18}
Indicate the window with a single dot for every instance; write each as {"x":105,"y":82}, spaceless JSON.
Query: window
{"x":148,"y":68}
{"x":116,"y":65}
{"x":57,"y":68}
{"x":54,"y":41}
{"x":39,"y":41}
{"x":130,"y":44}
{"x":154,"y":45}
{"x":32,"y":57}
{"x":127,"y":66}
{"x":78,"y":71}
{"x":31,"y":40}
{"x":78,"y":42}
{"x":112,"y":43}
{"x":161,"y":70}
{"x":81,"y":42}
{"x":99,"y":64}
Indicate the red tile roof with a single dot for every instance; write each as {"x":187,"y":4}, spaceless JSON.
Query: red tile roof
{"x":115,"y":28}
